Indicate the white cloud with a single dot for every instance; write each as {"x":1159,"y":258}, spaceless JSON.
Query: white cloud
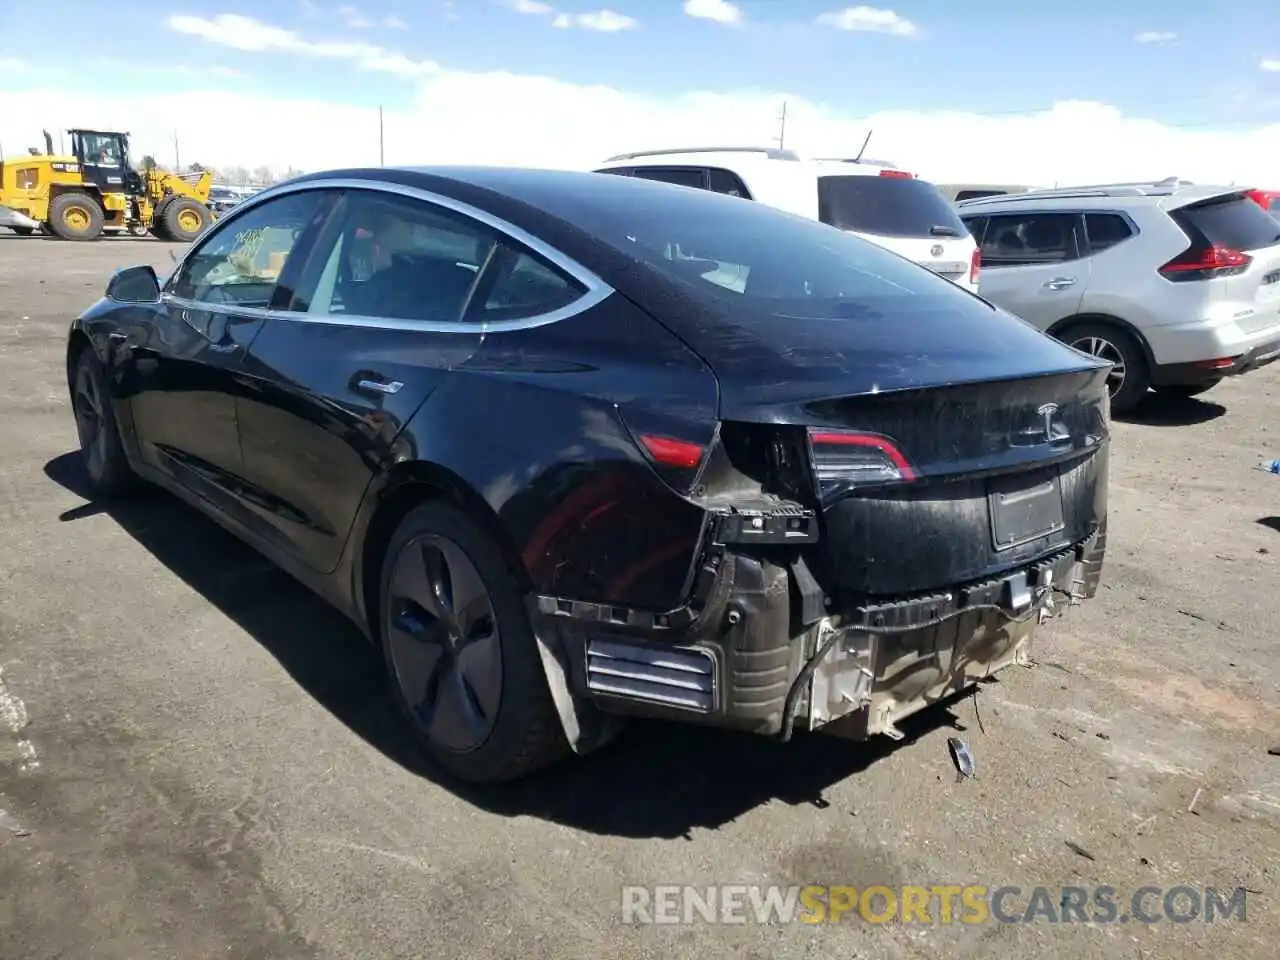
{"x":1271,"y":66}
{"x":721,"y":11}
{"x":354,"y":19}
{"x":1155,"y":36}
{"x":869,"y":20}
{"x":533,"y":7}
{"x":395,"y":23}
{"x":601,"y":21}
{"x":11,"y":64}
{"x":503,"y":118}
{"x":253,"y":36}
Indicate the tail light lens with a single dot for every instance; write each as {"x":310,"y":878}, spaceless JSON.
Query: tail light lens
{"x":898,"y":174}
{"x":848,"y":456}
{"x":1205,"y":263}
{"x":975,"y":264}
{"x":1262,"y":198}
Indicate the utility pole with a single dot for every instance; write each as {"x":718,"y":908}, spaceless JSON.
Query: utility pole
{"x":382,"y":155}
{"x":177,"y":157}
{"x":782,"y":128}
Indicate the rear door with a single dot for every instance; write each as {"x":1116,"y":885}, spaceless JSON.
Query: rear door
{"x":901,"y":213}
{"x":183,"y":370}
{"x":394,"y":297}
{"x":1033,"y":264}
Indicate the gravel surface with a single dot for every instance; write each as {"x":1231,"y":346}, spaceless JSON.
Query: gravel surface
{"x":197,"y":759}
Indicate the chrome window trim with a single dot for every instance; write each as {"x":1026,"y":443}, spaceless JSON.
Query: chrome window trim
{"x":596,"y":290}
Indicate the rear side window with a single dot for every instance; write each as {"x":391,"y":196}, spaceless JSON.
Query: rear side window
{"x":1105,"y":230}
{"x":1236,"y":223}
{"x":887,"y":207}
{"x":975,"y":194}
{"x":976,"y":225}
{"x":681,"y":176}
{"x":1015,"y":240}
{"x":728,"y":182}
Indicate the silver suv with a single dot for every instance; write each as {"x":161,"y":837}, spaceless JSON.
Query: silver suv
{"x":1177,"y":285}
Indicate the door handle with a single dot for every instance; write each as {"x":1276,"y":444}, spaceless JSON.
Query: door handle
{"x":379,"y":386}
{"x":1059,"y":283}
{"x":117,"y":337}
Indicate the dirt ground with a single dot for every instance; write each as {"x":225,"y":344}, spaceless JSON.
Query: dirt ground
{"x":196,"y":758}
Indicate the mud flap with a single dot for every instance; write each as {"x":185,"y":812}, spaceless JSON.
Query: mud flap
{"x":585,"y":728}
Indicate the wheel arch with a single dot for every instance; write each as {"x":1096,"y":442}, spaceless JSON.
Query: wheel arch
{"x":1109,"y":320}
{"x":401,"y":489}
{"x":89,"y":190}
{"x":77,"y":343}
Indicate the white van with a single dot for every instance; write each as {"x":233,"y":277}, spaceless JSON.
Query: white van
{"x":872,"y":199}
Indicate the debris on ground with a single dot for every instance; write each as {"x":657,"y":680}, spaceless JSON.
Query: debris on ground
{"x":1270,"y":466}
{"x":1274,"y":751}
{"x":1081,"y":851}
{"x":10,"y":823}
{"x":962,"y":757}
{"x":1191,"y":807}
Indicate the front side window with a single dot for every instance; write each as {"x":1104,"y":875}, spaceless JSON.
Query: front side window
{"x":1026,"y":239}
{"x":241,"y":260}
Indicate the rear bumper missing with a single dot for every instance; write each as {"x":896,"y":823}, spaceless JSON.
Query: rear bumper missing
{"x":763,"y":654}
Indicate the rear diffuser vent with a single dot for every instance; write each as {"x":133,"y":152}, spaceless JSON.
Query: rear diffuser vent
{"x":680,"y":677}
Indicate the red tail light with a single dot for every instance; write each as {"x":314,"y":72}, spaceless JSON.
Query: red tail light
{"x":1205,"y":263}
{"x":898,"y":174}
{"x":1263,"y":198}
{"x":671,"y":452}
{"x":975,"y":264}
{"x":849,"y":455}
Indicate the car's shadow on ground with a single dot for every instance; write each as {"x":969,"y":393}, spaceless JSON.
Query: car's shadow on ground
{"x":1271,"y":523}
{"x":656,"y":780}
{"x":1155,"y":410}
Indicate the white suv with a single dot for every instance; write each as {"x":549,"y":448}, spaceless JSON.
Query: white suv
{"x":872,"y":199}
{"x":1178,"y":285}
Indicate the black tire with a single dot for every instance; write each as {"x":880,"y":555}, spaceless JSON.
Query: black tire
{"x":23,"y":231}
{"x":517,"y":731}
{"x":1131,"y":377}
{"x":185,"y":219}
{"x":75,"y":216}
{"x":1185,"y":391}
{"x":105,"y":462}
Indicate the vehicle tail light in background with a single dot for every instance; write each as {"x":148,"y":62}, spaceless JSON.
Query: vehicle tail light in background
{"x":1263,"y":198}
{"x":849,"y":455}
{"x":1205,"y":263}
{"x":898,"y":174}
{"x":975,"y":264}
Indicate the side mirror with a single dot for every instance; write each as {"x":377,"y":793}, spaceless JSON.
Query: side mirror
{"x":134,"y":285}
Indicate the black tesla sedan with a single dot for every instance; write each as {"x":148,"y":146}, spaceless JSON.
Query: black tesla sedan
{"x":571,"y":448}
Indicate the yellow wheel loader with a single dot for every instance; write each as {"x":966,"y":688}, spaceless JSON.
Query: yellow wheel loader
{"x":96,"y":189}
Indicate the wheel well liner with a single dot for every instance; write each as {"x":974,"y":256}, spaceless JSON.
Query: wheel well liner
{"x":1106,"y":318}
{"x":407,"y":486}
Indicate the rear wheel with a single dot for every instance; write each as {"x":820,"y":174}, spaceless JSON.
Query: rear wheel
{"x":185,"y":218}
{"x":1185,"y":391}
{"x":75,"y":216}
{"x":1129,"y":377}
{"x":460,"y":653}
{"x":100,"y":445}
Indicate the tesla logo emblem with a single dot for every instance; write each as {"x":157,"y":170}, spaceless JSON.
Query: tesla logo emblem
{"x":936,"y":250}
{"x":1047,"y":411}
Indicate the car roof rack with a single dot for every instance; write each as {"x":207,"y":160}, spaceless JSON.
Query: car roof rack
{"x":1135,"y":188}
{"x":773,"y":153}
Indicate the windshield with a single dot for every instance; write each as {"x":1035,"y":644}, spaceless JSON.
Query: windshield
{"x":887,"y":207}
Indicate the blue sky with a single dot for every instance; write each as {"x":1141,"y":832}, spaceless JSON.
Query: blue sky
{"x":999,"y":56}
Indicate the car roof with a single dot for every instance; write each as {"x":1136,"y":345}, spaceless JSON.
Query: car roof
{"x":1160,"y":195}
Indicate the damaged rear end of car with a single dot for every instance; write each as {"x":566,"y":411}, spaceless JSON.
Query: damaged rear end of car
{"x":902,"y":485}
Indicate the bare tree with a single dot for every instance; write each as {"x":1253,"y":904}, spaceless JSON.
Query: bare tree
{"x":264,"y":176}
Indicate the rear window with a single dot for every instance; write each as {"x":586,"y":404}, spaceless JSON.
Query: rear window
{"x":751,"y":254}
{"x":1236,"y":223}
{"x":887,"y":207}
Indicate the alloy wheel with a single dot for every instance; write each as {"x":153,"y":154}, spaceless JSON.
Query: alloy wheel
{"x":87,"y":405}
{"x":444,"y":643}
{"x":1104,"y":349}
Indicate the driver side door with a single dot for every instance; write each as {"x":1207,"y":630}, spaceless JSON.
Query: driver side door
{"x":184,"y":369}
